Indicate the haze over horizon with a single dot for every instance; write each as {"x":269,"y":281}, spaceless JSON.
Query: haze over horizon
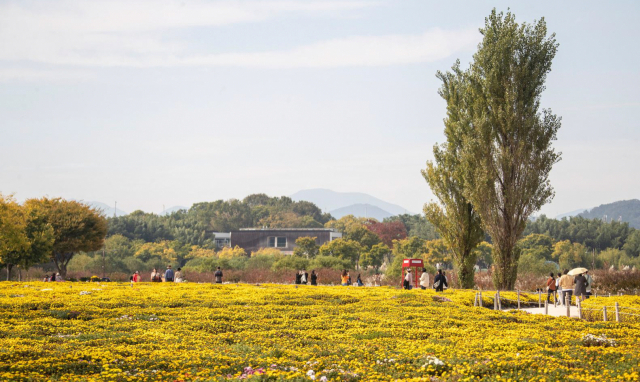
{"x":171,"y":103}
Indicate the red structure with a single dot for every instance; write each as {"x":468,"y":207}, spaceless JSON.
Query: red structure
{"x":415,"y":265}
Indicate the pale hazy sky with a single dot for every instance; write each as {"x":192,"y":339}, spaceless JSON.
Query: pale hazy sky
{"x":155,"y":103}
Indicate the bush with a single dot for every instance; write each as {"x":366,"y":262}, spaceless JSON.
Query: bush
{"x":530,"y":262}
{"x":330,"y":262}
{"x":258,"y":261}
{"x":290,"y":263}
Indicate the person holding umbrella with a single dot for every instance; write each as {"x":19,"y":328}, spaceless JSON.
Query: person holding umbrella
{"x":580,"y":282}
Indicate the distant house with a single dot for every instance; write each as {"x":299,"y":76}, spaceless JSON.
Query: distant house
{"x":222,"y":239}
{"x":283,"y":239}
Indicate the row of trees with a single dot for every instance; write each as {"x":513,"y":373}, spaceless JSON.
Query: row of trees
{"x":45,"y":229}
{"x":492,"y":173}
{"x":196,"y":225}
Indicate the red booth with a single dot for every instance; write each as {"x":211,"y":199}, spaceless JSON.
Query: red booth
{"x":416,"y":266}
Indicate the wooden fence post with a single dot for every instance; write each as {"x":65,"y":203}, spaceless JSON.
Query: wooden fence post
{"x":539,"y":299}
{"x":595,"y":293}
{"x":604,"y":313}
{"x":518,"y":299}
{"x":495,"y":301}
{"x":568,"y":304}
{"x":617,"y":312}
{"x":579,"y":304}
{"x":546,"y":307}
{"x":499,"y":302}
{"x":475,"y":299}
{"x":609,"y":294}
{"x":480,"y":294}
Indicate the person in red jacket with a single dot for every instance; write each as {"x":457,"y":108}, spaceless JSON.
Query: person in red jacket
{"x":136,"y":277}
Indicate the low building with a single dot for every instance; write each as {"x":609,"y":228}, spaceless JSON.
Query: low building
{"x":283,"y":239}
{"x":222,"y":239}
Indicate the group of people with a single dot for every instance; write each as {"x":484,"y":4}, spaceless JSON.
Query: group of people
{"x":303,"y":277}
{"x":565,"y":286}
{"x":439,"y":281}
{"x":345,"y":279}
{"x":170,"y":276}
{"x":53,"y":277}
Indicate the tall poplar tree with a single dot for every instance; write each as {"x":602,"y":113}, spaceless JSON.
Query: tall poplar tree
{"x":454,"y":217}
{"x":508,"y":155}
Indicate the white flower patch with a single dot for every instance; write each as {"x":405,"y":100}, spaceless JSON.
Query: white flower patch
{"x":593,"y":340}
{"x":84,"y":293}
{"x":433,"y":361}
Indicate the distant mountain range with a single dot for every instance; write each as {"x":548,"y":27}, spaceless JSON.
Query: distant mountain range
{"x":361,"y":210}
{"x":358,"y":204}
{"x":106,"y":209}
{"x":572,"y":213}
{"x":624,"y":210}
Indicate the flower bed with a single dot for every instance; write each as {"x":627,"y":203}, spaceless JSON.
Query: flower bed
{"x":158,"y":331}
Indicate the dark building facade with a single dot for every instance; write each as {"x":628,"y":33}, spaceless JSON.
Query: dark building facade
{"x":283,"y":239}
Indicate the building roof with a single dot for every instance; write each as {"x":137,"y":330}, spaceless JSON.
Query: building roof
{"x":289,"y":229}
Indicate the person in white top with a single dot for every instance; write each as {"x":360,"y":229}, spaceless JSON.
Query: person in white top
{"x":424,"y":279}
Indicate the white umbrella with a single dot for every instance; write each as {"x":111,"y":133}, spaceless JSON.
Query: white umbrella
{"x":577,"y":271}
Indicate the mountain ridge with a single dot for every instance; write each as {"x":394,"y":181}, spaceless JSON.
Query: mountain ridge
{"x":330,"y":200}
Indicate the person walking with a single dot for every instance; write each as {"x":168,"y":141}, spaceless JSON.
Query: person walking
{"x":344,"y":278}
{"x":440,"y":281}
{"x":179,"y":277}
{"x":589,"y":284}
{"x":566,"y":282}
{"x":155,"y":275}
{"x":359,"y":281}
{"x":136,"y":277}
{"x":169,"y":274}
{"x":303,"y":277}
{"x":218,"y":276}
{"x":551,"y":288}
{"x":581,"y":286}
{"x":349,"y":282}
{"x":314,"y":277}
{"x":424,"y":279}
{"x":559,"y":288}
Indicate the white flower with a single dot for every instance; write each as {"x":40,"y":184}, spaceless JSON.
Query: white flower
{"x":323,"y":379}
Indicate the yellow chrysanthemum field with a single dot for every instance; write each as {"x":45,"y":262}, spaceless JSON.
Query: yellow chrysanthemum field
{"x":158,"y":331}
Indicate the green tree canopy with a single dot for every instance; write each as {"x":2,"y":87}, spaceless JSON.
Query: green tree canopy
{"x":76,"y":227}
{"x":507,"y":154}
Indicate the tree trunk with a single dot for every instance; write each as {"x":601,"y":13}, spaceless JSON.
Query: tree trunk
{"x":506,"y":266}
{"x":61,"y":260}
{"x":9,"y":266}
{"x":466,"y":277}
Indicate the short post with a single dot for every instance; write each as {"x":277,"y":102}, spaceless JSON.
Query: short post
{"x":568,"y":304}
{"x":518,"y":299}
{"x":480,"y":295}
{"x":579,"y":304}
{"x":499,"y":302}
{"x":495,"y":301}
{"x":595,"y":293}
{"x":609,"y":295}
{"x":475,"y":300}
{"x":546,"y":307}
{"x":617,"y":312}
{"x":604,"y":313}
{"x":539,"y":299}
